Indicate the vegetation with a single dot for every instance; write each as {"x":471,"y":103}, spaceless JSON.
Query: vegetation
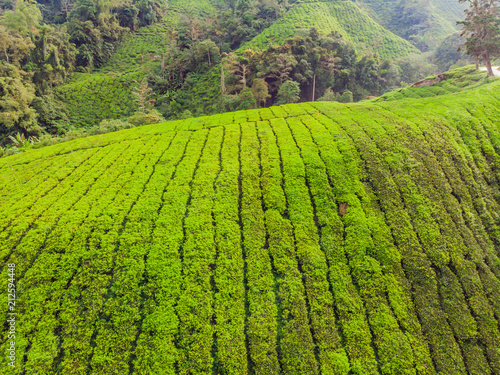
{"x":297,"y":216}
{"x":423,"y":23}
{"x":306,"y":238}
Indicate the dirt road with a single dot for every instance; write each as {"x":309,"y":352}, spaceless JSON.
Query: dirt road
{"x":495,"y":70}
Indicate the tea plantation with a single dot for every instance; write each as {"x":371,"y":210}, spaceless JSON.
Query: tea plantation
{"x":314,"y":238}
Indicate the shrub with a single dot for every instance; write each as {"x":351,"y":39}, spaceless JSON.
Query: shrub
{"x":329,"y":96}
{"x":186,"y":114}
{"x":247,"y":100}
{"x":153,"y":117}
{"x":346,"y":97}
{"x":110,"y":125}
{"x":289,"y":92}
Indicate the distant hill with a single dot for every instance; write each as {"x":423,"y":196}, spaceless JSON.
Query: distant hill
{"x":345,"y":17}
{"x":423,"y":22}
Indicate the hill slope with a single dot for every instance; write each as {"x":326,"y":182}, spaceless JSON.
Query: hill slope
{"x":106,"y":93}
{"x":343,"y":16}
{"x":301,"y":239}
{"x":439,"y":20}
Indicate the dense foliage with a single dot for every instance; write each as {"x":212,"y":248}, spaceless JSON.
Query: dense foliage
{"x":299,"y":239}
{"x":38,"y":55}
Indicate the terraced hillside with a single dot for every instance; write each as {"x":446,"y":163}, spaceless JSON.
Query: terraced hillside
{"x":353,"y":23}
{"x":301,"y":239}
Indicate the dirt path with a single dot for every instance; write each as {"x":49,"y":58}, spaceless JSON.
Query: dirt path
{"x":495,"y":70}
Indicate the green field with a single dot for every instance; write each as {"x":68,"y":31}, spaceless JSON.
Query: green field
{"x":315,"y":238}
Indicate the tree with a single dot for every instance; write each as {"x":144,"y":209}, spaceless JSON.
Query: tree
{"x":346,"y":97}
{"x":14,"y":47}
{"x":241,"y":70}
{"x":66,"y":8}
{"x":246,"y":99}
{"x":368,"y":74}
{"x":323,"y":62}
{"x":52,"y":114}
{"x":93,"y":30}
{"x":239,"y":67}
{"x":207,"y":50}
{"x":24,"y":19}
{"x":190,"y":31}
{"x":283,"y":65}
{"x":260,"y":90}
{"x":481,"y":29}
{"x":16,"y":95}
{"x":412,"y":18}
{"x":329,"y":96}
{"x":143,"y":96}
{"x":53,"y":58}
{"x":288,"y":93}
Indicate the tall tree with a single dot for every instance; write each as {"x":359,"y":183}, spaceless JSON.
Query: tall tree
{"x":23,"y":19}
{"x":53,"y":58}
{"x":143,"y":96}
{"x":481,"y":30}
{"x":289,"y":92}
{"x":206,"y":50}
{"x":260,"y":91}
{"x":239,"y":67}
{"x":13,"y":46}
{"x":16,"y":95}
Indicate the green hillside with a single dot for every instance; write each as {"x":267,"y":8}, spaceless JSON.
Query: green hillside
{"x":437,"y":19}
{"x":138,"y":49}
{"x":344,"y":17}
{"x":301,"y":239}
